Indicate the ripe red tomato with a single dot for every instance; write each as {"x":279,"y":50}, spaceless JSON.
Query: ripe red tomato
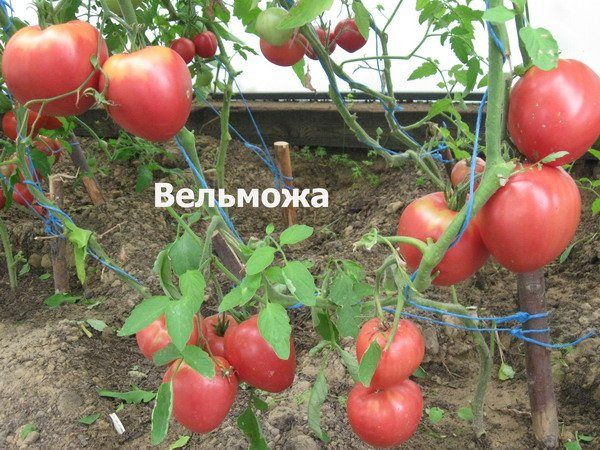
{"x":21,"y":195}
{"x":428,"y":217}
{"x":9,"y":124}
{"x":39,"y":64}
{"x":399,"y":361}
{"x":150,"y":92}
{"x":52,"y":123}
{"x":50,"y":147}
{"x":531,"y":220}
{"x":284,"y":55}
{"x":267,"y":24}
{"x":462,"y":170}
{"x":348,"y":37}
{"x":206,"y":44}
{"x":385,"y":417}
{"x":201,"y":404}
{"x":185,"y":48}
{"x":327,"y":41}
{"x":255,"y":360}
{"x":213,"y":331}
{"x":155,"y":337}
{"x":556,"y":110}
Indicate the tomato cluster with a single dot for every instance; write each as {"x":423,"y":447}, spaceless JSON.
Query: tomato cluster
{"x":286,"y":47}
{"x":239,"y":353}
{"x":203,"y":44}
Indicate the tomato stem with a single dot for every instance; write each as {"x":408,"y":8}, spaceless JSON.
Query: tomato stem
{"x":8,"y":254}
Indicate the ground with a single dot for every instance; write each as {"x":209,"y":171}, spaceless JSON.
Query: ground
{"x":50,"y":371}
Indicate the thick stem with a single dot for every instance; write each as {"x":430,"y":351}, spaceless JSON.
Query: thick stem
{"x":8,"y":254}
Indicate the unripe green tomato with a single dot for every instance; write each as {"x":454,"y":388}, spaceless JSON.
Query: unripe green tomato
{"x":267,"y":23}
{"x":116,"y":8}
{"x":205,"y":77}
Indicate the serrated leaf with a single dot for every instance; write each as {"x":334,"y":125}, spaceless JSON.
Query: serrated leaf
{"x":362,"y":19}
{"x":298,"y":69}
{"x":498,"y":14}
{"x":368,"y":363}
{"x":192,"y":286}
{"x":318,"y":395}
{"x":58,"y":299}
{"x":295,"y":234}
{"x":261,"y":259}
{"x":241,"y":294}
{"x":303,"y":12}
{"x":88,"y":420}
{"x":249,"y":425}
{"x":300,"y":282}
{"x":424,"y":70}
{"x":466,"y":413}
{"x":180,"y":321}
{"x":274,"y":326}
{"x":506,"y":372}
{"x":166,"y":355}
{"x":199,"y":360}
{"x":435,"y":414}
{"x":144,"y":314}
{"x":185,"y":254}
{"x":161,"y":413}
{"x":541,"y":47}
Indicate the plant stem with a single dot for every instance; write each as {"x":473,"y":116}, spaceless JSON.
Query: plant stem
{"x":8,"y":254}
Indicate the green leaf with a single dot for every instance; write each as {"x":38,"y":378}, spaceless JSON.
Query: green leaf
{"x":350,"y":362}
{"x":166,"y":355}
{"x":368,"y":363}
{"x":185,"y":254}
{"x":249,"y":425}
{"x":144,"y":314}
{"x":134,"y":396}
{"x":260,"y":260}
{"x":275,"y":275}
{"x":295,"y":234}
{"x":27,"y":429}
{"x":259,"y":404}
{"x":420,"y":373}
{"x":5,"y":104}
{"x":553,"y":157}
{"x":498,"y":14}
{"x":88,"y":420}
{"x":98,"y":325}
{"x":80,"y":239}
{"x":362,"y":19}
{"x":40,"y":161}
{"x":318,"y":395}
{"x":192,"y":286}
{"x":584,"y":438}
{"x":466,"y":413}
{"x":274,"y":326}
{"x":162,"y":267}
{"x":596,"y":206}
{"x":341,"y":292}
{"x":45,"y":276}
{"x":300,"y":282}
{"x":348,"y":320}
{"x":299,"y":71}
{"x":181,"y":442}
{"x":270,"y":228}
{"x":595,"y":153}
{"x":326,"y":328}
{"x":506,"y":372}
{"x":144,"y":178}
{"x":180,"y":321}
{"x":199,"y":360}
{"x":564,"y":255}
{"x":58,"y":299}
{"x":162,"y":413}
{"x":241,"y":294}
{"x":424,"y":70}
{"x":541,"y":47}
{"x":435,"y":414}
{"x":303,"y":12}
{"x":572,"y":445}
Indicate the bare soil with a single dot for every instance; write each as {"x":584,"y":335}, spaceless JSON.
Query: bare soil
{"x":50,"y":371}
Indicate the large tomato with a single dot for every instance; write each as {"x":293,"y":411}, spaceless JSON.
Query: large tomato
{"x":267,"y":24}
{"x":385,"y":417}
{"x":201,"y":404}
{"x":213,"y":331}
{"x":41,"y":64}
{"x":327,"y":41}
{"x":155,"y":337}
{"x":255,"y":360}
{"x":9,"y":124}
{"x":556,"y":110}
{"x":398,"y":362}
{"x":348,"y":37}
{"x":185,"y":47}
{"x":150,"y":92}
{"x":286,"y":54}
{"x":206,"y":44}
{"x":531,"y":220}
{"x":428,"y":217}
{"x":462,"y":171}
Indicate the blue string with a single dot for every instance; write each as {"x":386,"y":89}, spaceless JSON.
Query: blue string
{"x":7,"y":9}
{"x":494,"y":36}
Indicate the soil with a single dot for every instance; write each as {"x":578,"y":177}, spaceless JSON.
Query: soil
{"x":51,"y":371}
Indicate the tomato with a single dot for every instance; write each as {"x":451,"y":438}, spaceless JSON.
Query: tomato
{"x":49,"y":147}
{"x":155,"y":337}
{"x":150,"y":92}
{"x":531,"y":220}
{"x":21,"y":195}
{"x":462,"y":171}
{"x":327,"y":42}
{"x":52,"y":123}
{"x":255,"y":360}
{"x":40,"y":64}
{"x":398,"y":362}
{"x":213,"y":331}
{"x":114,"y":6}
{"x":201,"y":404}
{"x":556,"y":110}
{"x":348,"y":37}
{"x":34,"y":125}
{"x":386,"y":417}
{"x":206,"y":44}
{"x":286,"y":54}
{"x":185,"y":47}
{"x":428,"y":217}
{"x":267,"y":24}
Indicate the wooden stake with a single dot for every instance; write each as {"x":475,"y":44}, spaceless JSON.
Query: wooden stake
{"x":544,"y":415}
{"x":90,"y":183}
{"x":58,"y":247}
{"x":284,"y":162}
{"x":227,"y":256}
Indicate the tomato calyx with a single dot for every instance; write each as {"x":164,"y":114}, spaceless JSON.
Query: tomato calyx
{"x":221,"y":326}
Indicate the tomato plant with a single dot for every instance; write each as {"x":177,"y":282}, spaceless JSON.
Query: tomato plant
{"x":185,"y":47}
{"x":286,"y":54}
{"x":347,"y":36}
{"x":267,"y":24}
{"x":206,"y":44}
{"x":155,"y":337}
{"x":214,"y":329}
